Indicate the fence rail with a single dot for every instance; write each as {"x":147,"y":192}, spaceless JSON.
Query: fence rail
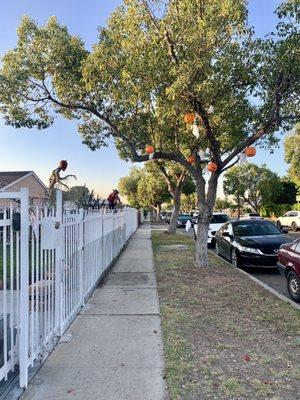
{"x":50,"y":261}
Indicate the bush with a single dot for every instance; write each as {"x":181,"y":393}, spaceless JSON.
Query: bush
{"x":296,"y":207}
{"x":276,"y":210}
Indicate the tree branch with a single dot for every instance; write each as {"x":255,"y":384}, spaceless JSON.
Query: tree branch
{"x":214,"y":144}
{"x":272,"y":121}
{"x":166,"y":177}
{"x":166,"y":37}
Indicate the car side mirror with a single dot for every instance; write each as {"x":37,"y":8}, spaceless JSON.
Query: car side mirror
{"x":285,"y":231}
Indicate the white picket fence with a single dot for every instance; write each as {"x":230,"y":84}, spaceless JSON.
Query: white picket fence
{"x":50,"y":261}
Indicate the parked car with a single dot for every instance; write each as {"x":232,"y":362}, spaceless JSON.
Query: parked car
{"x":163,"y":215}
{"x":290,"y":219}
{"x":251,"y":216}
{"x":218,"y":219}
{"x":250,"y":242}
{"x":168,"y":217}
{"x":289,"y":266}
{"x":182,"y":220}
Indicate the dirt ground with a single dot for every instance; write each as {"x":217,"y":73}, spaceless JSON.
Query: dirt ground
{"x":225,"y":337}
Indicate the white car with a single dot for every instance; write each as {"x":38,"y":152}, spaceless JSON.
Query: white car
{"x":251,"y":216}
{"x":218,"y":219}
{"x":291,"y":219}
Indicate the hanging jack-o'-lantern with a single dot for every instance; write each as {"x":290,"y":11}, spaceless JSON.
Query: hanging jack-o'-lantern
{"x":212,"y":167}
{"x":191,"y":159}
{"x":250,"y":151}
{"x":189,"y":118}
{"x":149,"y":149}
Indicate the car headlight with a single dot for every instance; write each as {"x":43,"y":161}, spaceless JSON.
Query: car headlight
{"x":248,"y":249}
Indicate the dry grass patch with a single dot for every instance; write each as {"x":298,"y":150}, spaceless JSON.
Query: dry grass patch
{"x":224,"y":336}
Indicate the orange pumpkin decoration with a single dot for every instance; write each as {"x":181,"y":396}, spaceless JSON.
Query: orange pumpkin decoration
{"x":250,"y":151}
{"x":212,"y":167}
{"x":189,"y":118}
{"x":191,"y":159}
{"x":149,"y":149}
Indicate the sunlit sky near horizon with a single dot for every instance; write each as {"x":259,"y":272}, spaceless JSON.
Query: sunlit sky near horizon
{"x":24,"y":149}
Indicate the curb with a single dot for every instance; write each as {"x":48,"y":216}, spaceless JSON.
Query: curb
{"x":260,"y":283}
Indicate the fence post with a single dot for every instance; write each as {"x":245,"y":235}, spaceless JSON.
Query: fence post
{"x":58,"y":265}
{"x":81,"y":255}
{"x":102,"y":242}
{"x":24,"y":288}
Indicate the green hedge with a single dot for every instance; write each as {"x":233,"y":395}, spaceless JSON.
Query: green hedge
{"x":278,"y":210}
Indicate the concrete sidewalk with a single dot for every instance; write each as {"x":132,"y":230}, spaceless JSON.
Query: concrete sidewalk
{"x":115,"y":349}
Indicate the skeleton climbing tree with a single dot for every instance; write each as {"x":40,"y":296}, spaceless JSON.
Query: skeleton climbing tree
{"x":187,"y":77}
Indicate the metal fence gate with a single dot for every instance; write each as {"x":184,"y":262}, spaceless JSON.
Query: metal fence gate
{"x":50,"y":261}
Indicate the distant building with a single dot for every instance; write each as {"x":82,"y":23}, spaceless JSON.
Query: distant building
{"x":13,"y":181}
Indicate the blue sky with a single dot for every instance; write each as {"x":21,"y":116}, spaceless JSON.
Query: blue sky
{"x":25,"y":149}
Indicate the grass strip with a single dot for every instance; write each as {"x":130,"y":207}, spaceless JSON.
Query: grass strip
{"x":224,"y":336}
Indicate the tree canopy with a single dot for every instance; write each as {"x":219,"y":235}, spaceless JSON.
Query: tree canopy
{"x":292,"y":154}
{"x":145,"y":187}
{"x":256,"y":186}
{"x":128,"y":186}
{"x":82,"y":197}
{"x":152,"y":63}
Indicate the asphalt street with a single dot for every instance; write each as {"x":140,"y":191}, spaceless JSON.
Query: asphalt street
{"x":272,"y":277}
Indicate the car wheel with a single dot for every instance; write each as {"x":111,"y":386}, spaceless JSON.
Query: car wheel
{"x":235,"y":259}
{"x":294,"y":227}
{"x":278,"y":224}
{"x":293,"y":284}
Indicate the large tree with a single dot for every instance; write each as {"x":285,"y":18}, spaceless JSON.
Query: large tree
{"x":82,"y":197}
{"x":152,"y":189}
{"x":288,"y":194}
{"x":154,"y":62}
{"x":178,"y":181}
{"x":256,"y":186}
{"x":292,"y":154}
{"x":128,"y":186}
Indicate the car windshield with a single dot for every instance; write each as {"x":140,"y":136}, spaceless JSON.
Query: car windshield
{"x":219,"y":219}
{"x":257,"y":228}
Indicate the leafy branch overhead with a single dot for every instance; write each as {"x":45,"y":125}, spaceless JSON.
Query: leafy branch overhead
{"x":153,"y":63}
{"x":292,"y":154}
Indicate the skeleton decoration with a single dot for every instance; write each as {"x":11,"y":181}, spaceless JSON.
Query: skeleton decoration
{"x":242,"y":158}
{"x":195,"y":130}
{"x":210,"y":109}
{"x":56,"y":179}
{"x":202,"y":155}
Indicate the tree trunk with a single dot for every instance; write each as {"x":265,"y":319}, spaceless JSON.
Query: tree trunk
{"x":206,"y":204}
{"x":154,"y":213}
{"x":175,"y":212}
{"x":239,"y":206}
{"x":158,"y":211}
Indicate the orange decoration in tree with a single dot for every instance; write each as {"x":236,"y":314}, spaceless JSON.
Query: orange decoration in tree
{"x":212,"y":167}
{"x":191,"y":159}
{"x":189,"y":118}
{"x":149,"y":149}
{"x":250,"y":151}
